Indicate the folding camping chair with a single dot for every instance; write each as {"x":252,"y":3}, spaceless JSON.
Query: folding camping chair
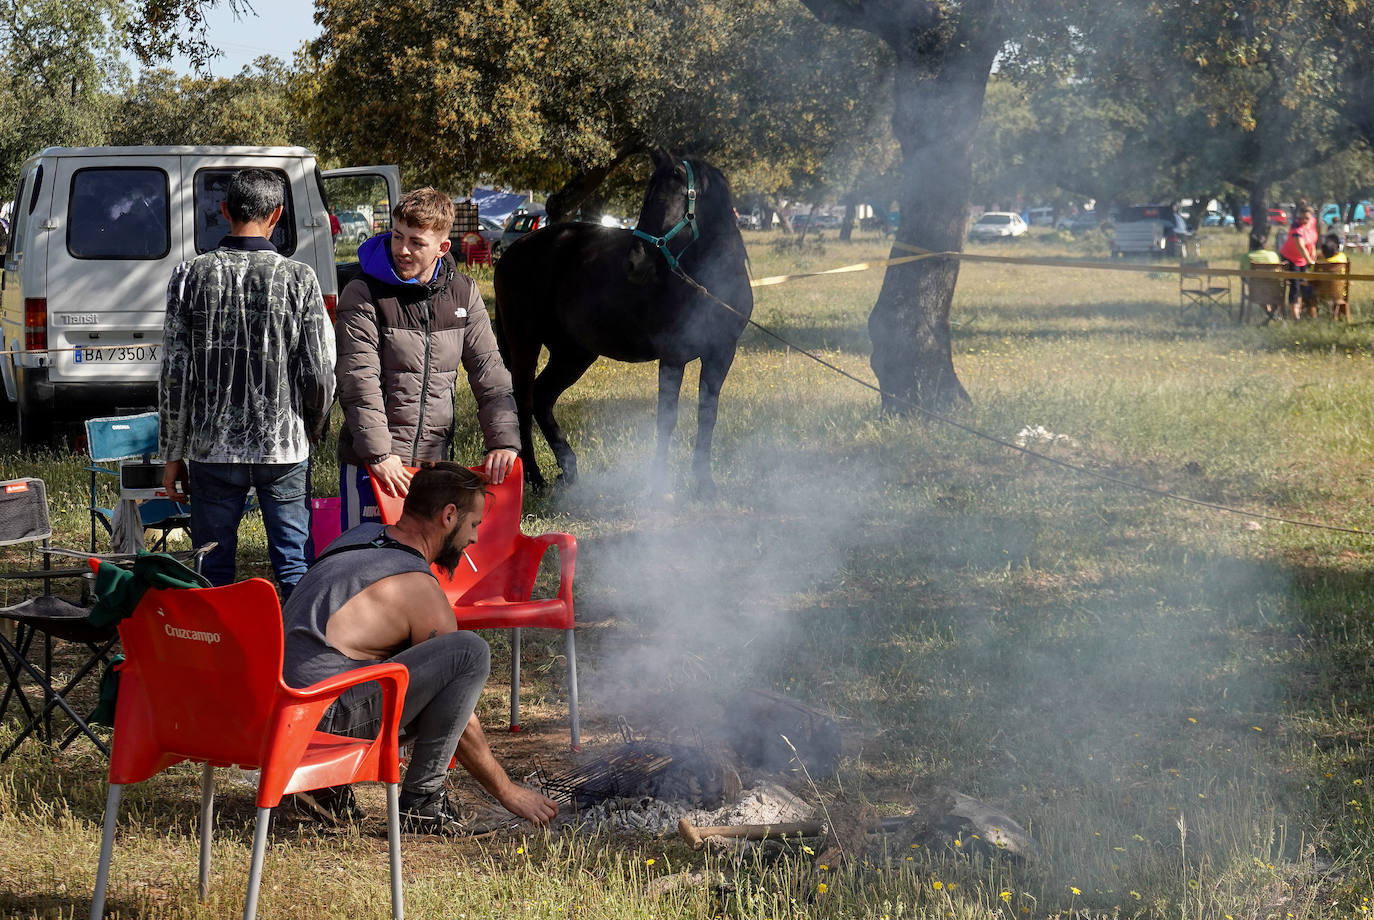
{"x":496,"y":590}
{"x":202,"y":682}
{"x":1199,"y":290}
{"x":142,"y":503}
{"x":38,"y":689}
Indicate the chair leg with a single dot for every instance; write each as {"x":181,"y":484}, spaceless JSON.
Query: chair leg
{"x":207,"y":825}
{"x":250,"y":906}
{"x":393,"y":833}
{"x":102,"y":872}
{"x":53,"y":699}
{"x":515,"y":680}
{"x":572,"y":693}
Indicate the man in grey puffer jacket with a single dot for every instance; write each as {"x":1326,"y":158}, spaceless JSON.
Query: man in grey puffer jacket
{"x":402,"y":331}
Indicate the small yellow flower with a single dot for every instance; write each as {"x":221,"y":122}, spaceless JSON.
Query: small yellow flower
{"x":519,"y":851}
{"x":820,"y":888}
{"x":823,"y":867}
{"x":937,"y":884}
{"x":1074,"y":890}
{"x":1192,"y":883}
{"x":915,"y":846}
{"x":1136,"y":895}
{"x":1257,"y":728}
{"x":1005,"y":896}
{"x":649,"y":862}
{"x":958,"y":843}
{"x":807,"y":850}
{"x":1191,"y":719}
{"x":1359,"y":782}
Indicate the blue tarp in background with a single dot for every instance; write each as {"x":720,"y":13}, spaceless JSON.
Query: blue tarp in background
{"x":495,"y":204}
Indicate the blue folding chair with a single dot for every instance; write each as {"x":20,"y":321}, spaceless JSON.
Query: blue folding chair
{"x":143,"y":505}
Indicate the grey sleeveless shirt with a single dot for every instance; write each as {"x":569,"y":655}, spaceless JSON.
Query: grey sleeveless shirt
{"x":336,"y":577}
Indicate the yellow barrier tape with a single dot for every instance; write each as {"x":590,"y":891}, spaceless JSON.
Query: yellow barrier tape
{"x":1182,"y":268}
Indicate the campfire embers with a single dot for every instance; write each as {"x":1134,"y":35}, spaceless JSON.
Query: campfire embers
{"x":646,"y":769}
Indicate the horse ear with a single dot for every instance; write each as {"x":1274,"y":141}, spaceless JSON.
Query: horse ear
{"x":660,"y":156}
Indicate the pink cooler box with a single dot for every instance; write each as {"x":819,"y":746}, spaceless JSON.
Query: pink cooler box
{"x":324,"y":522}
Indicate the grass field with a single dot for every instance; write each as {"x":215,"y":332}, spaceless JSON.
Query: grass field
{"x":1174,"y":700}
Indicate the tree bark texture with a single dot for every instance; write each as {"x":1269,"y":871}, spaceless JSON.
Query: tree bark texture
{"x":939,"y":102}
{"x":943,"y":58}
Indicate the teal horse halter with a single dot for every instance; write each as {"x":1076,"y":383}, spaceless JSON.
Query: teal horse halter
{"x":688,"y":220}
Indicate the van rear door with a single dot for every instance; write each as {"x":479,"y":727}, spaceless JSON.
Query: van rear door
{"x":112,"y":242}
{"x":368,"y":190}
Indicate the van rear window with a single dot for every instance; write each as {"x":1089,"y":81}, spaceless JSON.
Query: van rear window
{"x":118,"y":213}
{"x":211,"y":187}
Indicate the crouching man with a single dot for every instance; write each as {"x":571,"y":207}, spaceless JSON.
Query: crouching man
{"x":372,"y":597}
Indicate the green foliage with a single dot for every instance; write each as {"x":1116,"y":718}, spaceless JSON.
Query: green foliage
{"x":58,"y":61}
{"x":535,"y":93}
{"x":254,"y":107}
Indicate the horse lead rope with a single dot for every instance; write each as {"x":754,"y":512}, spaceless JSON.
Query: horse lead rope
{"x":1103,"y":477}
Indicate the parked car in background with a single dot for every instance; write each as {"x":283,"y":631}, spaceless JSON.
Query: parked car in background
{"x":826,"y":222}
{"x":491,"y":230}
{"x":520,"y":223}
{"x":1081,"y":222}
{"x":1216,"y":219}
{"x":1040,"y":217}
{"x":1152,"y":229}
{"x":353,"y":227}
{"x":997,"y":225}
{"x":1334,"y":213}
{"x":750,"y":220}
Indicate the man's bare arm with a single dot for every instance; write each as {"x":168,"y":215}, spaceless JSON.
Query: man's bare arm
{"x":474,"y":754}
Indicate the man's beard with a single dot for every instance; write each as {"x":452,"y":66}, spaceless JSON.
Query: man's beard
{"x":451,"y":554}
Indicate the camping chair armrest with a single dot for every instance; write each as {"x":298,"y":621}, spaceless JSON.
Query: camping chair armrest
{"x":299,"y":711}
{"x":124,"y":558}
{"x":567,"y":558}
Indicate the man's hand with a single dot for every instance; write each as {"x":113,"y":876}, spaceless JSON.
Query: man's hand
{"x":391,"y":475}
{"x":173,"y":473}
{"x":497,"y":464}
{"x":524,"y":802}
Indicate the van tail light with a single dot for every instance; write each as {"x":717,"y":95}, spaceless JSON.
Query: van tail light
{"x":35,"y":324}
{"x":331,"y":305}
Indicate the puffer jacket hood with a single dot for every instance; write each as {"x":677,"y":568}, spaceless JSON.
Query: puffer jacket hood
{"x":374,"y":255}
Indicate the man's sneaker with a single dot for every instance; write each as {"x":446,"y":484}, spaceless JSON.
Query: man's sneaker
{"x":431,"y":814}
{"x":334,"y":805}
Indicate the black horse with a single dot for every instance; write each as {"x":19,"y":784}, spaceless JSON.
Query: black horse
{"x":582,"y":291}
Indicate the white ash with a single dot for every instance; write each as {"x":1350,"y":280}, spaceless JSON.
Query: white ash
{"x":765,"y":803}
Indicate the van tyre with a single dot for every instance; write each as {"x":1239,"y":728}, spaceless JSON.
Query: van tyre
{"x":36,"y":427}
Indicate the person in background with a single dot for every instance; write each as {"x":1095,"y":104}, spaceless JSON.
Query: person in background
{"x":1298,"y":253}
{"x":1260,"y":254}
{"x":372,"y":596}
{"x":403,"y":329}
{"x":247,"y":384}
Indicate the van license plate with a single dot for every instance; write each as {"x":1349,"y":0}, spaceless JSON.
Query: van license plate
{"x":119,"y":354}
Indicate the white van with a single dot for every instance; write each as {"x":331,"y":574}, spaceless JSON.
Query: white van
{"x":96,"y":233}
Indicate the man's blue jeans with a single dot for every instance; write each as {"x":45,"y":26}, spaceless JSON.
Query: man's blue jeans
{"x":218,"y":493}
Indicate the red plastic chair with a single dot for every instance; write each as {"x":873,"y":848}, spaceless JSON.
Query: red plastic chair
{"x":475,"y":248}
{"x":202,"y":682}
{"x":498,"y":594}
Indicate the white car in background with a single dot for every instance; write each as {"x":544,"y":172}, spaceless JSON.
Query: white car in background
{"x":997,"y":225}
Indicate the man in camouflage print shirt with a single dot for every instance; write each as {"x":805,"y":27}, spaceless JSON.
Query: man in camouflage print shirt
{"x":247,"y":384}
